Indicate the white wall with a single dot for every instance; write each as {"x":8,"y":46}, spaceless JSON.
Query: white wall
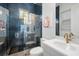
{"x":48,"y":9}
{"x":75,"y":20}
{"x":74,"y":7}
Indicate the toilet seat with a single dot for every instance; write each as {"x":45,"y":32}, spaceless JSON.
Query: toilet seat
{"x":37,"y":51}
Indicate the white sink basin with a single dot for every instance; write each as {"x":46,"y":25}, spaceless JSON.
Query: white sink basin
{"x":57,"y":45}
{"x":70,"y":46}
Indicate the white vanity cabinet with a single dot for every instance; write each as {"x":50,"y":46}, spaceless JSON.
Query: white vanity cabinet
{"x":69,"y":18}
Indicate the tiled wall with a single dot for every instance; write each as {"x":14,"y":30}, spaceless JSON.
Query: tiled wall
{"x":48,"y":11}
{"x":14,"y":21}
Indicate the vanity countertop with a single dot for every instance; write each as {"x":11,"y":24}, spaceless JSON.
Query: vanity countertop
{"x":68,"y":50}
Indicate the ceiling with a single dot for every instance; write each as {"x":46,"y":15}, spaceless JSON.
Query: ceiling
{"x":40,"y":4}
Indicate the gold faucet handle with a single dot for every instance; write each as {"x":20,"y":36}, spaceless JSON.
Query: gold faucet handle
{"x":65,"y":35}
{"x":71,"y":35}
{"x":66,"y":38}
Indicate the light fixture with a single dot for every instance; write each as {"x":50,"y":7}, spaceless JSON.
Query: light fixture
{"x":21,"y":13}
{"x":46,"y":22}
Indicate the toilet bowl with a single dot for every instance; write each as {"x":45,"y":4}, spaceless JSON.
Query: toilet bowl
{"x":37,"y":51}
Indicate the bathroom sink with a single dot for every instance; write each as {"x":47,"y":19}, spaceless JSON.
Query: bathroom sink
{"x":59,"y":46}
{"x":70,"y":47}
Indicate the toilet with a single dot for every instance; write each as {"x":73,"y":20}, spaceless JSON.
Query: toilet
{"x":37,"y":51}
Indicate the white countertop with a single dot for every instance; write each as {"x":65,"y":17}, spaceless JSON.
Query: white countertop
{"x":68,"y":52}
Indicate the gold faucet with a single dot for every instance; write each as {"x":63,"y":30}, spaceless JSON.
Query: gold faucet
{"x":68,"y":37}
{"x":71,"y":36}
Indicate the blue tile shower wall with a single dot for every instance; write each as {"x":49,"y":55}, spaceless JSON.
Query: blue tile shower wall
{"x":14,"y":21}
{"x":38,"y":9}
{"x":4,"y":5}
